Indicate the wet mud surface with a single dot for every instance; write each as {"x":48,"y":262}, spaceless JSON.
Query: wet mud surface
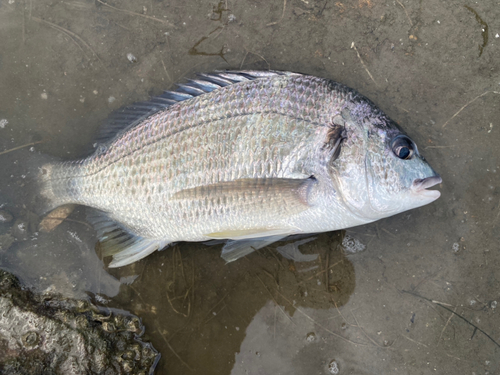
{"x":420,"y":299}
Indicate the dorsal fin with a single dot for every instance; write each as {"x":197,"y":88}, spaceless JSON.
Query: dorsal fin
{"x":130,"y":116}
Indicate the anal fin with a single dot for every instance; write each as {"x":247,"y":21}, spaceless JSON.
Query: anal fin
{"x":136,"y":249}
{"x":116,"y":241}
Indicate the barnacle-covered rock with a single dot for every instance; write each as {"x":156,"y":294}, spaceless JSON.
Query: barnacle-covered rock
{"x":47,"y":334}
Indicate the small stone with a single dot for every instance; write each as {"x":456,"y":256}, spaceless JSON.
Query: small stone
{"x":131,"y":58}
{"x":310,"y":337}
{"x":352,"y":245}
{"x":44,"y":96}
{"x":333,"y":367}
{"x":20,"y":229}
{"x":5,"y":216}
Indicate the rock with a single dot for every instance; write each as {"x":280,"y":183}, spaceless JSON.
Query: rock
{"x":48,"y":334}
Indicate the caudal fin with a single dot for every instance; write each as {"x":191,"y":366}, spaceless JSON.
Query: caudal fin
{"x":20,"y":185}
{"x":27,"y":181}
{"x":47,"y":197}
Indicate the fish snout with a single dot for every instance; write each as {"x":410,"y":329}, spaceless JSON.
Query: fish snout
{"x":420,"y":186}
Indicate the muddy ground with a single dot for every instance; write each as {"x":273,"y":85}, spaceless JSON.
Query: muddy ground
{"x":420,"y":299}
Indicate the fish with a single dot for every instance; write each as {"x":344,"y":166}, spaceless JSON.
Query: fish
{"x":241,"y":157}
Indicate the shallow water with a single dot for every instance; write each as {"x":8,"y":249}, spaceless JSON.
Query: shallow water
{"x":420,"y":299}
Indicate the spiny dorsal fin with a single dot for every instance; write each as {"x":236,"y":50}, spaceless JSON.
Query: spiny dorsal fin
{"x":130,"y":116}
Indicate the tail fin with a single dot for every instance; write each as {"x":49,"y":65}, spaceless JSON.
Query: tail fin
{"x":48,"y":200}
{"x":26,"y":181}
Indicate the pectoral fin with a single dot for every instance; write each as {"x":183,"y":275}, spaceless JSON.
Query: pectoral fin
{"x":286,"y":195}
{"x":332,"y":146}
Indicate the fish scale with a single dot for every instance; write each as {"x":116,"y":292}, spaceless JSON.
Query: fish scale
{"x":185,"y":166}
{"x":234,"y":155}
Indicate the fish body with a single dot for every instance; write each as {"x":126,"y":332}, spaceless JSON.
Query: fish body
{"x":251,"y":157}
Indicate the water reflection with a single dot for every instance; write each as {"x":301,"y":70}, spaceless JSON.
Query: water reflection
{"x":202,"y":309}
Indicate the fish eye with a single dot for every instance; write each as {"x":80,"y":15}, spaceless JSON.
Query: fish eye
{"x":403,"y":147}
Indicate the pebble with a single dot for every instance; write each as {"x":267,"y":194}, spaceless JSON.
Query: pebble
{"x":131,"y":58}
{"x":310,"y":337}
{"x":333,"y":367}
{"x":5,"y":216}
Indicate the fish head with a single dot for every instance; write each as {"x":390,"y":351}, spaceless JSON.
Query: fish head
{"x":397,"y":175}
{"x":380,"y":171}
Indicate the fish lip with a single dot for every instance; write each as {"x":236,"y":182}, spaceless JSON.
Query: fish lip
{"x":420,"y":186}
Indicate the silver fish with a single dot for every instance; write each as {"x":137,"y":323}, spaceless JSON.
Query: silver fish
{"x":249,"y":157}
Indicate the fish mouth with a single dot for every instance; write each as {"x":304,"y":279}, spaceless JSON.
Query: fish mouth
{"x":420,"y":187}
